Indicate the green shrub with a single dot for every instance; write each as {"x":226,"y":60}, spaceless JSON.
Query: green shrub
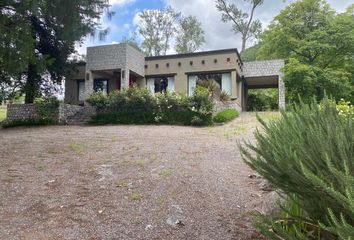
{"x":47,"y":107}
{"x":226,"y":115}
{"x":138,"y":106}
{"x":345,"y":108}
{"x":309,"y":153}
{"x":98,"y":100}
{"x":262,"y":99}
{"x":28,"y":122}
{"x":224,"y":96}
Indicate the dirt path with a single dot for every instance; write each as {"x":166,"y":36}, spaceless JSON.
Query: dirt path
{"x":126,"y":182}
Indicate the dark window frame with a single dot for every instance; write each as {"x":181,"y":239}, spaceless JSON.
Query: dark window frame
{"x":78,"y":81}
{"x":100,"y":79}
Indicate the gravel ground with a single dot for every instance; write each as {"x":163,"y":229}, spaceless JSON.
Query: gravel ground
{"x":127,"y":182}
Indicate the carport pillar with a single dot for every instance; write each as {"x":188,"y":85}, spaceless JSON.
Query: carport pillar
{"x":124,"y":83}
{"x":281,"y":92}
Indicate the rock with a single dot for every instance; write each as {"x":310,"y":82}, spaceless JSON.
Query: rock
{"x":266,"y":186}
{"x":254,"y":176}
{"x":148,"y":227}
{"x":270,"y":204}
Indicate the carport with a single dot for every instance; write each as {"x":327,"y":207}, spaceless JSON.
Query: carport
{"x":263,"y":74}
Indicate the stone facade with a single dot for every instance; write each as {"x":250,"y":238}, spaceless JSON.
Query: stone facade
{"x":263,"y":68}
{"x":65,"y":114}
{"x":221,"y":106}
{"x":19,"y":112}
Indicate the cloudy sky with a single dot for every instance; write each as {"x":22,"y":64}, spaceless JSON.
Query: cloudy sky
{"x":217,"y":33}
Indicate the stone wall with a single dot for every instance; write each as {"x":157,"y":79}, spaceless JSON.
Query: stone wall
{"x":20,"y":112}
{"x":65,"y":113}
{"x":221,"y":106}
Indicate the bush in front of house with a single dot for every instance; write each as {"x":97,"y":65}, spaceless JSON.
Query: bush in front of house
{"x":226,"y":115}
{"x":308,"y":154}
{"x":138,"y":106}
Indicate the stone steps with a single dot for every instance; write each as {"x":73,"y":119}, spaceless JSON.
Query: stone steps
{"x":81,"y":117}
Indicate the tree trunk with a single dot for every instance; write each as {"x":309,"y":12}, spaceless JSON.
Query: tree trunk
{"x":31,"y":83}
{"x":243,"y":47}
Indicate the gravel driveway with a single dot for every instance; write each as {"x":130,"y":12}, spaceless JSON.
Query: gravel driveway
{"x":127,"y":182}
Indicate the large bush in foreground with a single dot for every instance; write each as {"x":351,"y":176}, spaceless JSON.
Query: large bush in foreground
{"x":309,"y":155}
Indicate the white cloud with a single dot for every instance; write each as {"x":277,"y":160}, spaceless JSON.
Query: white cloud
{"x":218,"y":35}
{"x":120,"y":2}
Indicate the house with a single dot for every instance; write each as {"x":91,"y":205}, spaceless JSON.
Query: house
{"x":117,"y":66}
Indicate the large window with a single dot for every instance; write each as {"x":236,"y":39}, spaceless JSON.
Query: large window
{"x":100,"y":85}
{"x":160,"y":84}
{"x":222,"y":81}
{"x":81,"y":90}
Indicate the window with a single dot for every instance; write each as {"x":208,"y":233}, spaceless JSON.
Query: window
{"x":81,"y":90}
{"x":160,"y":84}
{"x":222,"y":80}
{"x":100,"y":85}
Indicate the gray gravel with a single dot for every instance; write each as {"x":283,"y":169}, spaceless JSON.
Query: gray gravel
{"x":127,"y":182}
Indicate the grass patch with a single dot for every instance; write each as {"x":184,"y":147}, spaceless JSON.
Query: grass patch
{"x":3,"y":111}
{"x":226,"y":115}
{"x":136,"y":196}
{"x":76,"y":147}
{"x":165,"y":172}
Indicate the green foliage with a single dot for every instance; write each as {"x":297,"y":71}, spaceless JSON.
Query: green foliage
{"x":47,"y":107}
{"x":318,"y":44}
{"x":98,"y":100}
{"x":29,"y":122}
{"x":309,"y":153}
{"x":157,"y":28}
{"x":250,"y":54}
{"x":36,"y":38}
{"x":2,"y":113}
{"x":307,"y":81}
{"x":224,"y":96}
{"x":345,"y":108}
{"x":190,"y":35}
{"x":137,"y":105}
{"x":226,"y":115}
{"x":243,"y":22}
{"x":262,"y":99}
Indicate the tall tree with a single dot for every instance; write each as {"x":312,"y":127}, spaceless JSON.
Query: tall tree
{"x":190,"y":35}
{"x":318,"y":44}
{"x":243,"y":22}
{"x":157,"y":27}
{"x":37,"y":36}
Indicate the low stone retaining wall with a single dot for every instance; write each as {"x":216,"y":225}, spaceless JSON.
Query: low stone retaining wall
{"x":20,"y":112}
{"x":63,"y":115}
{"x":221,"y":106}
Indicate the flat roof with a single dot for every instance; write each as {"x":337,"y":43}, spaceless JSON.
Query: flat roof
{"x":183,"y":55}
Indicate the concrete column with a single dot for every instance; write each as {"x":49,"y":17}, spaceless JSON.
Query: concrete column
{"x":245,"y":97}
{"x":124,"y":82}
{"x":233,"y":84}
{"x":89,"y":78}
{"x":281,"y":92}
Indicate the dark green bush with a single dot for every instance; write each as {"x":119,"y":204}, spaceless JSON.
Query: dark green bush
{"x":309,"y":153}
{"x":226,"y":115}
{"x":137,"y":106}
{"x":262,"y":99}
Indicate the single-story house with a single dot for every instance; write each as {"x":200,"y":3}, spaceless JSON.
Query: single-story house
{"x":117,"y":66}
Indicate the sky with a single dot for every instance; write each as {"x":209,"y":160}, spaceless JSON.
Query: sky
{"x":218,"y":35}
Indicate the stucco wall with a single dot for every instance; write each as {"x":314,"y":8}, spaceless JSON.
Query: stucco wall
{"x":181,"y":72}
{"x":75,"y":74}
